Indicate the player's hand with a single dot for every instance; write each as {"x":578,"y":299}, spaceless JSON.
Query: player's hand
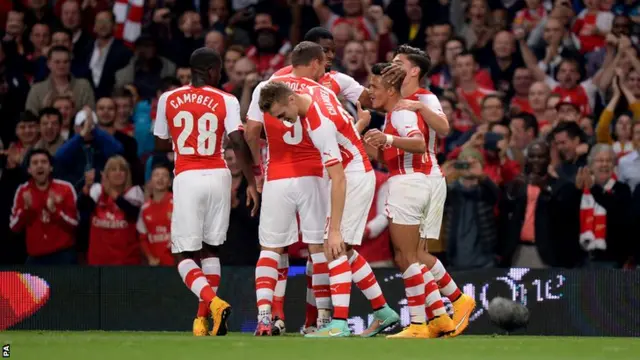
{"x":375,"y":138}
{"x":259,"y":183}
{"x":153,"y":261}
{"x":252,"y":196}
{"x":393,"y":74}
{"x":334,"y":246}
{"x":411,"y":105}
{"x":28,"y":200}
{"x":363,"y":115}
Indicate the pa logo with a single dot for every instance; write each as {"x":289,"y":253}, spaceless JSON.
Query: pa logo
{"x":6,"y":350}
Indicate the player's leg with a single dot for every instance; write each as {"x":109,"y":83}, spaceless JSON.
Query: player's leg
{"x":189,"y":206}
{"x":311,"y":310}
{"x":430,"y":230}
{"x":212,"y":271}
{"x":332,"y":274}
{"x":277,"y":230}
{"x":281,"y":287}
{"x":215,"y":227}
{"x":354,"y":222}
{"x":404,"y":208}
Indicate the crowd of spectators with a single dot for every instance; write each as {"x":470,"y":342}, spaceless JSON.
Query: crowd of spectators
{"x":543,"y":98}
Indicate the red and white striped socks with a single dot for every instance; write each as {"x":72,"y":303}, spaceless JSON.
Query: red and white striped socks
{"x":340,"y":285}
{"x":266,"y":279}
{"x":311,"y":313}
{"x":281,"y":286}
{"x":211,"y":270}
{"x":195,"y":280}
{"x":446,"y":284}
{"x":366,"y":281}
{"x":433,"y":300}
{"x":414,"y":290}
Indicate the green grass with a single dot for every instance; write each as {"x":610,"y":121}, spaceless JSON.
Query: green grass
{"x":94,"y":345}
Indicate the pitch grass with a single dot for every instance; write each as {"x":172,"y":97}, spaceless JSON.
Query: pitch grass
{"x":96,"y":345}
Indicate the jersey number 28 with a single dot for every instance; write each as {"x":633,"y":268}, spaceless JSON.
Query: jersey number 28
{"x":207,"y":125}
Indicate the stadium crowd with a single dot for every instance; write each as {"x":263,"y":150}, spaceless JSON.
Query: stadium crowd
{"x":543,"y":99}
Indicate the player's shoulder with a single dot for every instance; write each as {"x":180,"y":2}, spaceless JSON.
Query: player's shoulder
{"x":283,"y":71}
{"x":403,"y":115}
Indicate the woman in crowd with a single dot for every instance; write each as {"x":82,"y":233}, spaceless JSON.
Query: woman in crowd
{"x":113,"y":206}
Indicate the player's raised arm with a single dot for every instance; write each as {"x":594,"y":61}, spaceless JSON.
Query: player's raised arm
{"x":160,"y":127}
{"x":233,"y":126}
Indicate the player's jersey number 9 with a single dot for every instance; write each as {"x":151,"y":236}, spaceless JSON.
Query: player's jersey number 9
{"x":294,"y":135}
{"x":207,"y":125}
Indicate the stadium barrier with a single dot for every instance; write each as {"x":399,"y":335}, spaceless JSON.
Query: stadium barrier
{"x":561,"y":302}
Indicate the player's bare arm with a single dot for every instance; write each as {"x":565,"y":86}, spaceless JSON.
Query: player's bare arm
{"x":335,"y":245}
{"x":252,"y":132}
{"x":414,"y":144}
{"x":438,"y":122}
{"x":243,"y":153}
{"x":364,"y":117}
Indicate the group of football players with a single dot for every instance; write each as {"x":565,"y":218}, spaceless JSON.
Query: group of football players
{"x":318,"y":181}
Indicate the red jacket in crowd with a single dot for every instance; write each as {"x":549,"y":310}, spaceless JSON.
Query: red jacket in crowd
{"x":113,"y":239}
{"x":154,"y":226}
{"x":46,"y":232}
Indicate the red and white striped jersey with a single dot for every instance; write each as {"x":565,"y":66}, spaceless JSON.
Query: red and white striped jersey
{"x":339,"y":83}
{"x":333,"y":132}
{"x":430,"y":136}
{"x":196,"y":119}
{"x":404,"y":123}
{"x":290,"y":152}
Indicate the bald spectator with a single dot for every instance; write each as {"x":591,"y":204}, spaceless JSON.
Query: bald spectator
{"x":502,"y":61}
{"x":538,"y":94}
{"x":215,"y":40}
{"x":59,"y":82}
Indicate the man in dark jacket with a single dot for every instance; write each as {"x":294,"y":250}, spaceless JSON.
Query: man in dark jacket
{"x":539,"y":217}
{"x":472,"y":230}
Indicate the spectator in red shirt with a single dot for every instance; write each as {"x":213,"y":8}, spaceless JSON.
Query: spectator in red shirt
{"x":468,"y":89}
{"x":154,"y":222}
{"x":46,"y":209}
{"x":114,"y":206}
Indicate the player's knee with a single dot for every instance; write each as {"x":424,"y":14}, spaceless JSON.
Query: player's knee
{"x":209,"y":251}
{"x":185,"y":255}
{"x":278,"y":250}
{"x":402,"y":260}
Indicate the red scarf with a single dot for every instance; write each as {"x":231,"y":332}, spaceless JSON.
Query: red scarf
{"x":593,"y":220}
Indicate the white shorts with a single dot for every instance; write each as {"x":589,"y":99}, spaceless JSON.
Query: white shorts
{"x":431,"y":221}
{"x":282,"y":199}
{"x":360,"y":190}
{"x":408,"y":198}
{"x":201,"y":206}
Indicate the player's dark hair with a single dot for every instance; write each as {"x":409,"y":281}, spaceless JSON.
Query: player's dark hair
{"x":318,"y":33}
{"x":168,"y":82}
{"x":204,"y":59}
{"x":530,"y":122}
{"x":305,"y":52}
{"x":28,"y":117}
{"x":34,"y":152}
{"x":50,"y":111}
{"x":571,"y":128}
{"x":417,"y":57}
{"x":271,"y":93}
{"x":377,"y":69}
{"x":56,"y":49}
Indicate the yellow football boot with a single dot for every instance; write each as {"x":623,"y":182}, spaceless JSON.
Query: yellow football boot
{"x":441,"y":326}
{"x":413,"y":331}
{"x":200,"y":326}
{"x":220,"y":311}
{"x":462,"y":309}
